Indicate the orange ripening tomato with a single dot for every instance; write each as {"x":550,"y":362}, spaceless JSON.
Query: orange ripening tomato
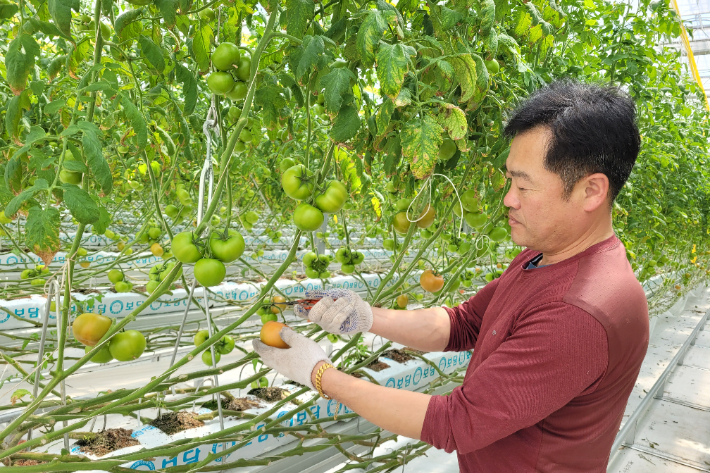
{"x":88,"y":328}
{"x":270,"y":334}
{"x":277,"y":301}
{"x":431,"y":282}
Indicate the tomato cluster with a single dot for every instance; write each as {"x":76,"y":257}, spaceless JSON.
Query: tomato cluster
{"x":89,"y":328}
{"x":316,"y":265}
{"x":158,"y":273}
{"x":224,"y":246}
{"x":152,"y":235}
{"x":232,"y":72}
{"x":118,"y":279}
{"x":223,"y":347}
{"x":348,"y":259}
{"x":34,"y":275}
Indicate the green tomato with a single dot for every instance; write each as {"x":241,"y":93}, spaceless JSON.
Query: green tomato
{"x":498,"y":234}
{"x":347,"y":268}
{"x":27,"y":273}
{"x":225,"y":55}
{"x":240,"y":146}
{"x":70,"y":177}
{"x":151,"y":286}
{"x":227,"y":249}
{"x":402,"y":204}
{"x":469,"y":200}
{"x":207,"y":14}
{"x":401,"y":223}
{"x":103,"y":356}
{"x":358,"y":257}
{"x":238,"y":92}
{"x":388,"y":244}
{"x":307,"y":218}
{"x":312,"y":273}
{"x":38,"y":282}
{"x":123,"y":286}
{"x":334,"y":197}
{"x":128,"y":345}
{"x":286,"y":164}
{"x":296,"y":182}
{"x":154,"y":233}
{"x":209,"y":272}
{"x":269,"y":317}
{"x":309,"y":258}
{"x":200,"y":337}
{"x":476,"y":220}
{"x":184,"y":249}
{"x":207,"y":357}
{"x":184,"y":197}
{"x":324,"y":274}
{"x":447,"y":150}
{"x":81,"y":252}
{"x":244,"y":68}
{"x":115,"y":276}
{"x":343,"y":255}
{"x":171,"y":211}
{"x":492,"y":66}
{"x":220,"y":83}
{"x":245,"y":135}
{"x":251,"y":217}
{"x":226,"y":345}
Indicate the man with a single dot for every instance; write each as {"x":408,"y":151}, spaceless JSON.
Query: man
{"x":558,"y":339}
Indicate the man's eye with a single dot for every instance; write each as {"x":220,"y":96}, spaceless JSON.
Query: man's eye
{"x":521,"y":189}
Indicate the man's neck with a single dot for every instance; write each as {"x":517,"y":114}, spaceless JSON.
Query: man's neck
{"x":588,"y":240}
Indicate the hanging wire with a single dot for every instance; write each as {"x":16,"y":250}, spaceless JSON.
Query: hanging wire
{"x":427,"y":184}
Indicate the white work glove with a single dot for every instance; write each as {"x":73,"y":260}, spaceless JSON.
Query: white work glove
{"x":339,"y":311}
{"x":295,"y":363}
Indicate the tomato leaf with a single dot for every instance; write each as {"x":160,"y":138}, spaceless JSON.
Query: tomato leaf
{"x":20,"y":60}
{"x":42,"y":231}
{"x":201,"y":47}
{"x":346,"y":124}
{"x":384,"y":115}
{"x":168,"y":9}
{"x":465,"y":72}
{"x":137,"y":121}
{"x":60,"y":10}
{"x":7,"y":11}
{"x":101,"y":225}
{"x":336,"y":84}
{"x":312,"y":51}
{"x":189,"y":88}
{"x":370,"y":33}
{"x":15,"y":204}
{"x":298,"y":13}
{"x":270,"y":100}
{"x":91,"y":140}
{"x":152,"y":53}
{"x":13,"y":115}
{"x":80,"y":204}
{"x":125,"y":19}
{"x":453,"y":120}
{"x":421,"y":139}
{"x":392,"y":61}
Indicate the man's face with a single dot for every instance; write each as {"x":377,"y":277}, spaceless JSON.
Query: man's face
{"x":540,"y":218}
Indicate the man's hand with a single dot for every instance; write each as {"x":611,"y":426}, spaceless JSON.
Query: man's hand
{"x":339,"y":311}
{"x":295,"y":363}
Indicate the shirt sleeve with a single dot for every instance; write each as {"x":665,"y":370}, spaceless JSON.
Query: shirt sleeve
{"x":552,"y":356}
{"x":466,"y":318}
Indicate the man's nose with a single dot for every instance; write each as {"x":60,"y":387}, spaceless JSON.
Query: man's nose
{"x":511,"y":200}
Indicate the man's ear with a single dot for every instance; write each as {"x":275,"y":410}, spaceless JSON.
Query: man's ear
{"x":596,"y":191}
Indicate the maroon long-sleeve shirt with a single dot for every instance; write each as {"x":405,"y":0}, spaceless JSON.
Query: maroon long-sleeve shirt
{"x":557,"y":352}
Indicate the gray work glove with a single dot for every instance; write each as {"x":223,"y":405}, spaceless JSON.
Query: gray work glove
{"x":339,"y":311}
{"x":295,"y":363}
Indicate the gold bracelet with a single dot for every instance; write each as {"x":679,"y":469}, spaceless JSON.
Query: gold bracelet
{"x":319,"y":374}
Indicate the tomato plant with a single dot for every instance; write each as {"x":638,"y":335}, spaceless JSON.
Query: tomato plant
{"x":333,"y":123}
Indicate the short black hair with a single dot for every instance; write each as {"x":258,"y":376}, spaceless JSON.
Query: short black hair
{"x":593,"y":130}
